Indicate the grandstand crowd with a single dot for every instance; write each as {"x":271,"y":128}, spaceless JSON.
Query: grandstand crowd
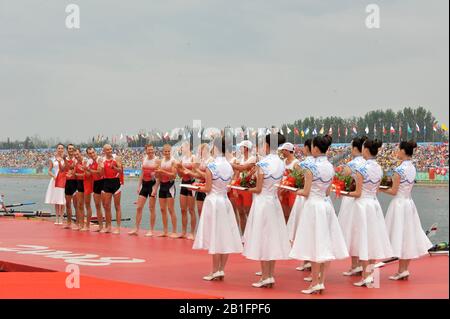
{"x":426,"y":156}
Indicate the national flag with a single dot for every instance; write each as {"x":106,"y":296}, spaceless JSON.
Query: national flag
{"x":303,"y":133}
{"x":296,"y":132}
{"x":346,"y":131}
{"x":392,"y":130}
{"x":435,"y":127}
{"x":384,"y":130}
{"x":444,"y":127}
{"x":409,"y":129}
{"x":314,"y":132}
{"x":367,"y":129}
{"x":330,"y":131}
{"x":288,"y":130}
{"x":307,"y":131}
{"x":417,"y":128}
{"x":321,"y":130}
{"x":354,"y":130}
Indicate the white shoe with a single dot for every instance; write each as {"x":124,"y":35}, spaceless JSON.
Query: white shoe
{"x":134,"y":232}
{"x":258,"y":273}
{"x":317,"y":289}
{"x":401,"y":276}
{"x":304,"y":267}
{"x":353,"y":272}
{"x":365,"y":282}
{"x":149,"y":234}
{"x":308,"y":279}
{"x":266,"y":283}
{"x":218,"y":275}
{"x":116,"y":231}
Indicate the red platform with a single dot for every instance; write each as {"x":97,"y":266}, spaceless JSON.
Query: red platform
{"x":171,"y":269}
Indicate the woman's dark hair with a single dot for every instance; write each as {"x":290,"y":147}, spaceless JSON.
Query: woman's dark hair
{"x":219,"y":142}
{"x":408,"y":147}
{"x":60,"y":144}
{"x":358,"y":142}
{"x":322,"y":142}
{"x":308,"y":144}
{"x":373,"y":146}
{"x":279,"y":139}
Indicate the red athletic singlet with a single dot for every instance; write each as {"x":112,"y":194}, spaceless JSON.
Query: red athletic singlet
{"x":70,"y":163}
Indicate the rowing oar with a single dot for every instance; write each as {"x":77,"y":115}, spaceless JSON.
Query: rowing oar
{"x":429,"y":232}
{"x":95,"y":220}
{"x":19,"y":205}
{"x":26,"y":214}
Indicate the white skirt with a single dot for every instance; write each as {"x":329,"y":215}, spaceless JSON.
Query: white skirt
{"x":55,"y":195}
{"x":294,"y":216}
{"x":405,"y":231}
{"x":217,"y":230}
{"x":369,"y":238}
{"x":345,"y":218}
{"x":266,"y":236}
{"x":319,"y":237}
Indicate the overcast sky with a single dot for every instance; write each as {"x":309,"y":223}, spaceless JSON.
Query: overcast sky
{"x":159,"y":64}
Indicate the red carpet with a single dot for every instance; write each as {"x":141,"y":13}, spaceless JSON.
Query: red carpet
{"x":51,"y":285}
{"x":172,"y":264}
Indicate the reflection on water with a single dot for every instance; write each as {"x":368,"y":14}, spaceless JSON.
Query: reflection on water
{"x":432,"y":202}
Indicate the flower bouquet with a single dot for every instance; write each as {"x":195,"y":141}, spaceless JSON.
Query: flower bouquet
{"x":342,"y":183}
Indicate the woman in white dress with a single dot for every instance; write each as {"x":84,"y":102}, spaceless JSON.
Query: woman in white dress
{"x":218,"y":231}
{"x":318,"y":237}
{"x":266,"y":238}
{"x":344,"y":216}
{"x":405,"y":231}
{"x":55,"y":190}
{"x":369,"y":238}
{"x":296,"y":210}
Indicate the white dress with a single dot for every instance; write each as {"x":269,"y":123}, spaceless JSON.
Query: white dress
{"x":296,"y":209}
{"x":55,"y":195}
{"x":217,"y":230}
{"x":369,"y":238}
{"x":266,"y":237}
{"x":345,"y":216}
{"x":319,"y":237}
{"x":407,"y":237}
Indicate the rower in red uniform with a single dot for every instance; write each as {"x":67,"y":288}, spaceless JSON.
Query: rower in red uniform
{"x":71,"y":184}
{"x":80,"y":175}
{"x":147,"y":187}
{"x":95,"y":173}
{"x":112,"y":172}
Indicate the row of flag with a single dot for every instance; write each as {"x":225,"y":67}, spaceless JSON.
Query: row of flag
{"x":355,"y":131}
{"x":210,"y":133}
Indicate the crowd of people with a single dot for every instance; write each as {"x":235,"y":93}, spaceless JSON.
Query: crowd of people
{"x":427,"y":156}
{"x":238,"y":203}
